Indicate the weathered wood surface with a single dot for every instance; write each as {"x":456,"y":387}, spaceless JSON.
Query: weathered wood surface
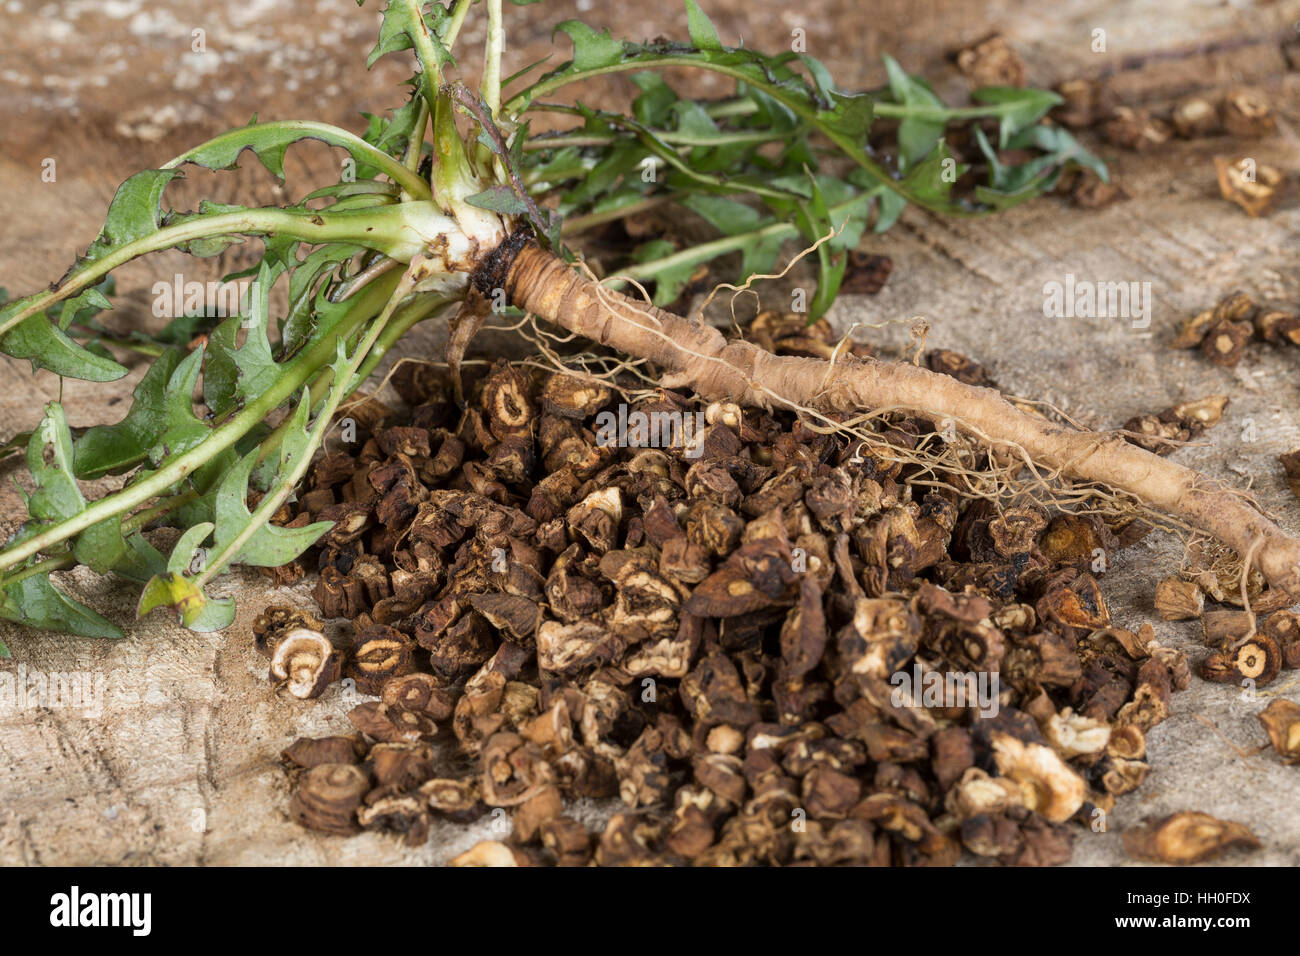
{"x":178,"y":764}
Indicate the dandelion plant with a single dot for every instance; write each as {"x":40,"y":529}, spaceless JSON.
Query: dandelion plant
{"x":460,"y":192}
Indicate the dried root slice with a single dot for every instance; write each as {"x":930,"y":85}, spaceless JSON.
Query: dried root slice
{"x":278,"y":620}
{"x":1186,"y":837}
{"x":1246,"y":113}
{"x":1178,"y":600}
{"x":1256,"y":188}
{"x":1284,"y":627}
{"x":306,"y":662}
{"x":1226,"y":628}
{"x":328,"y":796}
{"x":697,"y":356}
{"x":1291,"y":465}
{"x":306,"y":752}
{"x":492,"y":853}
{"x":1047,"y":783}
{"x":1258,"y":659}
{"x":1281,"y":719}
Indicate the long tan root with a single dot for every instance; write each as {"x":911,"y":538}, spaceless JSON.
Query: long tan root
{"x":695,"y":355}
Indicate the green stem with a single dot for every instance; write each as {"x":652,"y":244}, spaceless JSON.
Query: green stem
{"x":711,"y":250}
{"x":457,"y":18}
{"x":399,"y":325}
{"x":297,"y":372}
{"x":577,"y":224}
{"x":334,"y":136}
{"x":520,"y":101}
{"x":57,"y":563}
{"x":491,"y":85}
{"x":142,"y":348}
{"x":142,"y":518}
{"x":559,"y":141}
{"x":902,"y":111}
{"x":381,"y":228}
{"x":416,"y":144}
{"x":271,"y":503}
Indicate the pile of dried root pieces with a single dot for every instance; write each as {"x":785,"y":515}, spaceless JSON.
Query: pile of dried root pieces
{"x":773,"y":642}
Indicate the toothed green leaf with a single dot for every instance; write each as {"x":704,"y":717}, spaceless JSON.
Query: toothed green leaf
{"x":1021,"y":107}
{"x":235,"y":373}
{"x":406,"y":26}
{"x":42,"y":342}
{"x":917,"y":134}
{"x":270,"y":546}
{"x":135,"y":212}
{"x":591,"y":50}
{"x":180,"y":428}
{"x":36,"y":602}
{"x":703,"y":34}
{"x":113,"y":449}
{"x":193,"y":608}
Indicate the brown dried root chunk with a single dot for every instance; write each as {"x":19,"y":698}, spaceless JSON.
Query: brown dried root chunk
{"x":1178,"y":600}
{"x":327,"y":797}
{"x":307,"y":753}
{"x":1246,"y":113}
{"x":1284,"y":627}
{"x":1253,"y":186}
{"x":991,"y":62}
{"x":1186,"y":837}
{"x":1259,"y":659}
{"x":1281,"y":719}
{"x":1291,"y":465}
{"x":492,"y":853}
{"x":305,"y":662}
{"x":276,"y":621}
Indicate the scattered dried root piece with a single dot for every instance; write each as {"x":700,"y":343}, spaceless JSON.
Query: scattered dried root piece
{"x":1284,"y":627}
{"x":278,"y":620}
{"x":1225,"y":342}
{"x":1281,"y":719}
{"x":1194,"y":117}
{"x":1083,"y":103}
{"x":1258,"y":659}
{"x":697,"y":356}
{"x":1277,"y":327}
{"x":307,"y":753}
{"x":305,"y":662}
{"x":1136,"y":129}
{"x":1178,"y":600}
{"x":1255,"y":187}
{"x":1226,"y":628}
{"x":492,"y":853}
{"x":1087,"y":190}
{"x":327,"y":798}
{"x":991,"y":62}
{"x":1186,"y":837}
{"x":1222,"y":332}
{"x":1162,"y":432}
{"x":1291,"y":465}
{"x":1246,"y":113}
